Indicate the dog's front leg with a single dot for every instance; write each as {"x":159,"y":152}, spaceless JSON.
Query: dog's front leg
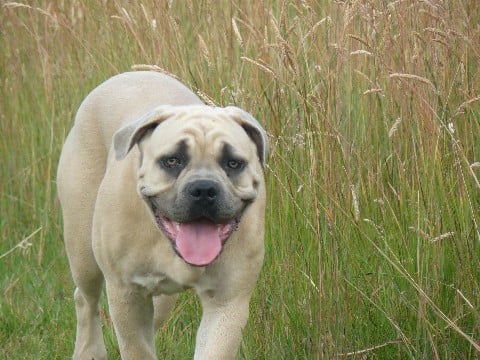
{"x":220,"y":330}
{"x":132,"y":316}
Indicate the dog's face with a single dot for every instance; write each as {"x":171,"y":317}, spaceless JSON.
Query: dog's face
{"x":200,"y":168}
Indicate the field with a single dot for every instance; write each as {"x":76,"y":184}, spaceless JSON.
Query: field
{"x":373,"y":113}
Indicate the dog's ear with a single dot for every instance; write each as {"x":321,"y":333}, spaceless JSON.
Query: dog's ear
{"x":126,"y":137}
{"x":254,"y":130}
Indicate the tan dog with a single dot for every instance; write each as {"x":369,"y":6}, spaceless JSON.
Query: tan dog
{"x":183,"y":209}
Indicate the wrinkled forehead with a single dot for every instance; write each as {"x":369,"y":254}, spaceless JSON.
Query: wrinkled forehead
{"x":203,"y":132}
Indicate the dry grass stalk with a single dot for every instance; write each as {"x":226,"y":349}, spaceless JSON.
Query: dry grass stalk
{"x":22,"y":244}
{"x":287,"y":51}
{"x":204,"y":50}
{"x":145,"y":14}
{"x":471,"y":167}
{"x":375,"y":88}
{"x":361,"y":52}
{"x":350,"y":13}
{"x":394,"y":127}
{"x":441,"y":42}
{"x":44,"y":12}
{"x":310,"y":280}
{"x":148,"y":67}
{"x":248,"y":26}
{"x":312,"y":30}
{"x":356,"y":208}
{"x":413,"y":77}
{"x":464,"y":105}
{"x":125,"y":18}
{"x":237,"y":33}
{"x":442,"y":236}
{"x":377,"y":228}
{"x":360,"y":40}
{"x":206,"y":99}
{"x":373,"y":91}
{"x":373,"y":348}
{"x":363,"y":75}
{"x":436,"y":32}
{"x":465,"y":299}
{"x":263,"y":66}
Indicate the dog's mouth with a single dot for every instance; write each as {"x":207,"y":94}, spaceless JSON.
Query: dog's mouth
{"x":198,"y":242}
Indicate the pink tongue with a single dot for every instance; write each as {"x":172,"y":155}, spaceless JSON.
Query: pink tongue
{"x":198,"y":242}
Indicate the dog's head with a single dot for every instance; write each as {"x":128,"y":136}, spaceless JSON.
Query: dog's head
{"x":200,"y":168}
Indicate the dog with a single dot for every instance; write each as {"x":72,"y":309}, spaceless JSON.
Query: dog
{"x":161,"y":193}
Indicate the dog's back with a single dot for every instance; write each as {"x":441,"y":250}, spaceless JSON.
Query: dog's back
{"x":124,"y":98}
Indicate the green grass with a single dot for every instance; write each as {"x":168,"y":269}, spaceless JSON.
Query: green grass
{"x":372,"y":108}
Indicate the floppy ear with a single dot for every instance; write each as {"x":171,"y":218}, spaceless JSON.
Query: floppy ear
{"x":253,"y":129}
{"x":125,"y":138}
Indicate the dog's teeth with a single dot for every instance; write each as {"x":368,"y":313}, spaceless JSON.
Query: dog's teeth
{"x":177,"y":226}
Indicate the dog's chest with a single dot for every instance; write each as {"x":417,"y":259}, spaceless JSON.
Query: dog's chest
{"x":156,"y":284}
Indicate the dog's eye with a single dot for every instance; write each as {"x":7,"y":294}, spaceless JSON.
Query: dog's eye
{"x":171,"y":162}
{"x":235,"y":164}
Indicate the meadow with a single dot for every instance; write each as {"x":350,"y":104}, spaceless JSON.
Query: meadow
{"x":372,"y":108}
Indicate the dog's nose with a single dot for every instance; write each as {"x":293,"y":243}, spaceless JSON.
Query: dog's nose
{"x":203,"y":191}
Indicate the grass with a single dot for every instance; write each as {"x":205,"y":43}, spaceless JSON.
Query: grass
{"x":372,"y":108}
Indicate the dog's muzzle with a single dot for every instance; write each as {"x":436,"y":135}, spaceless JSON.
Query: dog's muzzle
{"x":198,"y":240}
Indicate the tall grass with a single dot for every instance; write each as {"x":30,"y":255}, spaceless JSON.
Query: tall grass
{"x":372,"y":108}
